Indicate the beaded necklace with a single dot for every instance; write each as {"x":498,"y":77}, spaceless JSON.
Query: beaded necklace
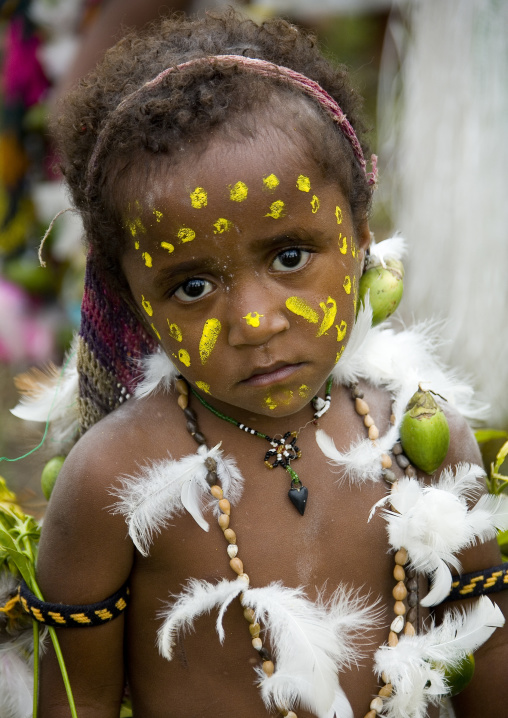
{"x":284,"y":450}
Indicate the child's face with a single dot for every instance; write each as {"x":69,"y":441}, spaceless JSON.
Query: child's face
{"x":246,"y":265}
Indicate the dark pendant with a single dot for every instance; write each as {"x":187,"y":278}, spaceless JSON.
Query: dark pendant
{"x":298,"y":495}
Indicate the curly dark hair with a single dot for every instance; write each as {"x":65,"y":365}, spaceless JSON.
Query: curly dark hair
{"x":199,"y":101}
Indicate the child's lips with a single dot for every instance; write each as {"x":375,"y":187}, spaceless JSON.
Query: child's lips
{"x":264,"y":376}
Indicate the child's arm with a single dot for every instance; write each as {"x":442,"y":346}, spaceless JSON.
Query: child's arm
{"x":85,"y":556}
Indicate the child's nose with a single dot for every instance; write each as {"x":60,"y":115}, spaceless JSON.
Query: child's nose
{"x":256,"y":322}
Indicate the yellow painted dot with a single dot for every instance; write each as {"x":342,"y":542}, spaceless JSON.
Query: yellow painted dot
{"x":338,"y":214}
{"x":303,"y":183}
{"x":288,"y":397}
{"x":238,"y":192}
{"x":276,"y":209}
{"x":340,"y":353}
{"x":147,"y":258}
{"x":186,"y":234}
{"x":222,"y":225}
{"x":271,"y":182}
{"x":155,"y":331}
{"x":353,"y":248}
{"x":135,"y":226}
{"x":175,"y":331}
{"x":341,"y":330}
{"x":302,"y":309}
{"x":184,"y":357}
{"x":158,"y":215}
{"x":199,"y":198}
{"x":146,"y":306}
{"x":347,"y":284}
{"x":343,"y":246}
{"x":314,"y":203}
{"x":209,"y":336}
{"x":252,"y":318}
{"x":136,"y":244}
{"x":203,"y":386}
{"x":329,"y":315}
{"x":168,"y":246}
{"x":304,"y":391}
{"x":270,"y":403}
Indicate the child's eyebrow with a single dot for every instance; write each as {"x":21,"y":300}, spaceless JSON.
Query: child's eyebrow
{"x":190,"y":267}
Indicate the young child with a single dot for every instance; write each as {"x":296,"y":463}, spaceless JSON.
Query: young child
{"x":225,"y":199}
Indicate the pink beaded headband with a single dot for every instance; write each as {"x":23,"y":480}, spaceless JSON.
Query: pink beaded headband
{"x":261,"y":67}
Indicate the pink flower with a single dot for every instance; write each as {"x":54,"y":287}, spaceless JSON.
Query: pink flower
{"x":23,"y":78}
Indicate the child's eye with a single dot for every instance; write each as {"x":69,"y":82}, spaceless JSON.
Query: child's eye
{"x":290,"y":259}
{"x":194,"y":288}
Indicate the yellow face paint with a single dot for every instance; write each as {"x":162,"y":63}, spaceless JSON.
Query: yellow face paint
{"x":276,"y":209}
{"x":252,"y":319}
{"x":270,"y":403}
{"x":168,"y":246}
{"x":147,"y":258}
{"x":186,"y":234}
{"x":314,"y":203}
{"x":175,"y":332}
{"x":341,"y":331}
{"x":329,"y":316}
{"x":338,"y":214}
{"x":287,"y":399}
{"x":270,"y":182}
{"x":146,"y":306}
{"x":347,"y":284}
{"x":302,"y":309}
{"x":199,"y":198}
{"x":343,"y":247}
{"x":184,"y":357}
{"x":203,"y":386}
{"x":304,"y":391}
{"x":303,"y":183}
{"x":135,"y":226}
{"x":340,"y":353}
{"x":158,"y":215}
{"x":238,"y":192}
{"x":136,"y":244}
{"x":155,"y":331}
{"x":210,"y":334}
{"x":353,"y":249}
{"x":222,"y":225}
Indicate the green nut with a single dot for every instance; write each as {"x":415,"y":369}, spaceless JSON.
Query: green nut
{"x":424,"y":432}
{"x":461,"y":675}
{"x":386,"y":287}
{"x":50,"y":473}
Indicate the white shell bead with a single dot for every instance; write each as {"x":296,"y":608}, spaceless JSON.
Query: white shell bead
{"x":376,"y":704}
{"x":232,"y":550}
{"x":397,"y":624}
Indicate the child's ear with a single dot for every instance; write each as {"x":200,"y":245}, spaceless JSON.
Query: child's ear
{"x":363,"y":239}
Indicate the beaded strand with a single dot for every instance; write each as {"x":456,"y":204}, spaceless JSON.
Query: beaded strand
{"x":406,"y":584}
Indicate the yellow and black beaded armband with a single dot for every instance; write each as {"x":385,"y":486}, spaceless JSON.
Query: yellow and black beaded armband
{"x":479,"y":583}
{"x":63,"y":615}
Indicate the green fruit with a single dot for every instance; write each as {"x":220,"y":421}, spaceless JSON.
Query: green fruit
{"x":460,"y":676}
{"x":50,"y":473}
{"x":424,"y":432}
{"x":385,"y":286}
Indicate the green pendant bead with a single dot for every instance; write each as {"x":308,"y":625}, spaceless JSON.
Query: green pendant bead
{"x":461,"y":675}
{"x":50,"y":473}
{"x":424,"y":432}
{"x":386,"y":287}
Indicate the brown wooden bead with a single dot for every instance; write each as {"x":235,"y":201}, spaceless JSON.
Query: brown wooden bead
{"x":386,"y":691}
{"x":412,"y":615}
{"x":410,"y":472}
{"x":257,"y":643}
{"x":211,"y":478}
{"x":224,"y":521}
{"x":182,"y":401}
{"x":191,"y":415}
{"x":199,"y":438}
{"x":397,"y":448}
{"x":230,"y":535}
{"x":368,"y":421}
{"x":249,"y":615}
{"x":412,"y":599}
{"x":264,"y":654}
{"x":384,"y":677}
{"x":373,"y":433}
{"x":181,"y":387}
{"x":210,"y":464}
{"x":400,"y":557}
{"x":386,"y":461}
{"x":268,"y":668}
{"x":393,"y":419}
{"x":402,"y":461}
{"x":398,"y":573}
{"x":376,"y":704}
{"x":409,"y":629}
{"x":255,"y":630}
{"x":412,"y":584}
{"x":361,"y":407}
{"x":216,"y":491}
{"x":393,"y":639}
{"x":291,"y":714}
{"x":192,"y":427}
{"x":237,"y":565}
{"x":399,"y":591}
{"x":398,"y":608}
{"x":389,"y":476}
{"x":356,"y":393}
{"x":371,"y":714}
{"x":225,"y":506}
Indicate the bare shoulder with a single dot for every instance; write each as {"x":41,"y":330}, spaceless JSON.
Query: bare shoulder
{"x":463,"y":445}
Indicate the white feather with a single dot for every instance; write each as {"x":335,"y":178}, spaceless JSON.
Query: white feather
{"x":391,"y":248}
{"x":164,"y":488}
{"x":158,"y":373}
{"x":415,"y":666}
{"x":16,"y":684}
{"x":434,"y":523}
{"x":346,"y":370}
{"x":197,"y":598}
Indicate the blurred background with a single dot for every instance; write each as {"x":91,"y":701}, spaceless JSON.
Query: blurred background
{"x":435,"y":81}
